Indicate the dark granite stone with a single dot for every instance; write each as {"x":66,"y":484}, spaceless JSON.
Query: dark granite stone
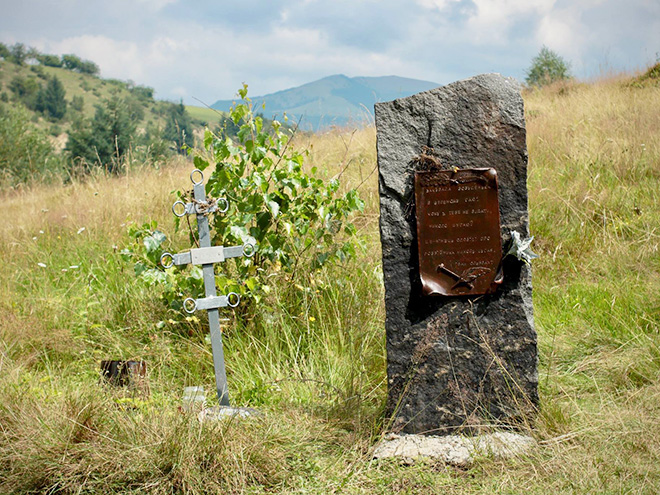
{"x":456,"y":362}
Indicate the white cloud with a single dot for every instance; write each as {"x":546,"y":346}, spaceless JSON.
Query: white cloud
{"x":562,"y":31}
{"x":155,"y":4}
{"x":180,"y":91}
{"x":436,"y":4}
{"x":117,"y":59}
{"x":209,"y":49}
{"x":492,"y":19}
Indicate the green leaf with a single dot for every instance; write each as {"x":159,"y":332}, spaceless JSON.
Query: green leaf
{"x":200,"y":163}
{"x":154,"y":277}
{"x":208,"y":138}
{"x":139,"y":268}
{"x":239,"y":232}
{"x":274,"y":207}
{"x":238,"y":113}
{"x":153,"y":242}
{"x":251,"y":283}
{"x":243,"y":91}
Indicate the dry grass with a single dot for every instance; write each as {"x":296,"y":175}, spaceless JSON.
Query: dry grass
{"x":318,"y":371}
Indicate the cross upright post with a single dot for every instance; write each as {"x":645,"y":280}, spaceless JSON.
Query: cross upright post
{"x":206,"y":256}
{"x":209,"y":288}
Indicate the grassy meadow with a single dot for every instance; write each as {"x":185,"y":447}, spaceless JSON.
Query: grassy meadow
{"x":68,"y":300}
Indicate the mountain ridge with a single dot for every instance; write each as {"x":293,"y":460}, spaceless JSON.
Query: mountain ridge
{"x":335,"y":100}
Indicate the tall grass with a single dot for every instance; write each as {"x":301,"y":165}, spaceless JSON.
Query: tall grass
{"x":316,"y":365}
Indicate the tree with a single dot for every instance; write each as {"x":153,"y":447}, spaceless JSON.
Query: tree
{"x":144,"y":93}
{"x":51,"y":100}
{"x":4,"y":51}
{"x":18,"y":53}
{"x":76,"y":64}
{"x":25,"y":152}
{"x":547,"y":67}
{"x":70,"y":61}
{"x":26,"y":90}
{"x":106,"y":138}
{"x":32,"y":54}
{"x":178,"y":128}
{"x":49,"y":60}
{"x":88,"y":67}
{"x":77,"y":103}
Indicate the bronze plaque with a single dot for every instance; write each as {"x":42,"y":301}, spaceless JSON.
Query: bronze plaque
{"x":458,"y":231}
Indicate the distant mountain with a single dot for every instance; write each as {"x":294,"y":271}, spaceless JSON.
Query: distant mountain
{"x":334,"y":100}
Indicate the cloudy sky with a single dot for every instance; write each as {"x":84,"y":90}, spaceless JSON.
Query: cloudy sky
{"x":205,"y":49}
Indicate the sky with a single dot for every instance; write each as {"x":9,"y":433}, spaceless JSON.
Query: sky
{"x":203,"y":50}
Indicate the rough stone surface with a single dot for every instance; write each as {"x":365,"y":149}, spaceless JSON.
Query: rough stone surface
{"x":454,"y":449}
{"x":456,"y":363}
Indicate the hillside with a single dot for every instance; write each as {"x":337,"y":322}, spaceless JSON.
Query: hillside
{"x":335,"y":100}
{"x":90,"y":91}
{"x":313,"y":359}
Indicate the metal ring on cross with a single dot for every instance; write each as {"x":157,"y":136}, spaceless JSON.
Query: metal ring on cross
{"x":187,"y":307}
{"x":178,"y":212}
{"x":201,"y":177}
{"x":236,"y":298}
{"x":164,"y":256}
{"x":225,"y":202}
{"x":249,"y":249}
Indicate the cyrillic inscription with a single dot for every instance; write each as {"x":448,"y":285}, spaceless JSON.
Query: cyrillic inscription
{"x":458,"y":231}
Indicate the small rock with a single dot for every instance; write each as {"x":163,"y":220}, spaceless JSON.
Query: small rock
{"x":454,"y":450}
{"x":218,"y":413}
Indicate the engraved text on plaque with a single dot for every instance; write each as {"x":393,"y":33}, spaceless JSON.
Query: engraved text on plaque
{"x":458,"y":231}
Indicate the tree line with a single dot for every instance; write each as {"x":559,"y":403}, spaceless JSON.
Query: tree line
{"x":19,"y":54}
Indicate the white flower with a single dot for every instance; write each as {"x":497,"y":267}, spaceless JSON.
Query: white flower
{"x":42,"y":265}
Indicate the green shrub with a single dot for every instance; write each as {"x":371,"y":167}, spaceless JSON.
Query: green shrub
{"x":25,"y":152}
{"x":297,"y":221}
{"x":547,"y":67}
{"x":49,"y":60}
{"x":77,"y":104}
{"x":39,"y":71}
{"x":651,"y":76}
{"x":26,"y":90}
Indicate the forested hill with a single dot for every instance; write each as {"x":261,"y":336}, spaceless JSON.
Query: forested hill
{"x":335,"y":100}
{"x":58,"y":117}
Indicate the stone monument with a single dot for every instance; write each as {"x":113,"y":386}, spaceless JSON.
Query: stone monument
{"x":461,"y":343}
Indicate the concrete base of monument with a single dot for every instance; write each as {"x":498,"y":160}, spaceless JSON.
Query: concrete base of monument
{"x":455,"y":450}
{"x":218,"y":413}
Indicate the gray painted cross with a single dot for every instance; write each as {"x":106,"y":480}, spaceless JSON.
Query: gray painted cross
{"x":206,"y":255}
